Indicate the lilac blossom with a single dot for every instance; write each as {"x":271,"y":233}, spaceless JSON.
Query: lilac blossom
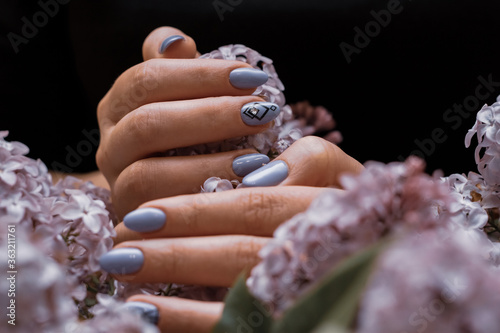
{"x":487,"y":154}
{"x":63,"y":229}
{"x":43,"y":301}
{"x":444,"y":286}
{"x":110,"y":315}
{"x":479,"y":194}
{"x":382,"y":200}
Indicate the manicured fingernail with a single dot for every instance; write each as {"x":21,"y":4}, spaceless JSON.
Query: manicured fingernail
{"x":145,"y":219}
{"x":245,"y":164}
{"x":269,"y":175}
{"x":147,"y":311}
{"x":168,"y":41}
{"x":246,"y":78}
{"x":259,"y":113}
{"x":122,"y":261}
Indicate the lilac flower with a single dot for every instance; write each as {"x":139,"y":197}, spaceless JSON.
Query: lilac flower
{"x":67,"y":228}
{"x":215,"y":184}
{"x":111,"y":315}
{"x":79,"y":206}
{"x":487,"y":154}
{"x":199,"y":293}
{"x":383,"y":199}
{"x":42,"y":290}
{"x":444,"y":286}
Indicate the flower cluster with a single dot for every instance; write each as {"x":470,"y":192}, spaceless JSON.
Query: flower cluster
{"x":61,"y":231}
{"x":487,"y":154}
{"x":382,"y":200}
{"x":427,"y":283}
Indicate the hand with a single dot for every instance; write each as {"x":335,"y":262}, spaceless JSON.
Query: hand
{"x":172,"y":100}
{"x":209,"y":238}
{"x":206,"y":239}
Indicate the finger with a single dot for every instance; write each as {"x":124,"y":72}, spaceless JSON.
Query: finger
{"x":176,"y":314}
{"x":168,"y":42}
{"x":208,"y":261}
{"x":160,"y":80}
{"x":152,"y":178}
{"x":248,"y":211}
{"x":159,"y":127}
{"x":310,"y":161}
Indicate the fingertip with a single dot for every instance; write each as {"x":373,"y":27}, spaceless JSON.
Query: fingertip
{"x":168,"y":42}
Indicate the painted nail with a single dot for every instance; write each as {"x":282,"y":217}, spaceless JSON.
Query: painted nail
{"x":122,"y":261}
{"x":269,"y":175}
{"x":145,"y":219}
{"x":259,"y":113}
{"x":147,"y":311}
{"x":169,"y":41}
{"x":245,"y":164}
{"x":246,"y":78}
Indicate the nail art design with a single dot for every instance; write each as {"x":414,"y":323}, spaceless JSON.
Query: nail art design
{"x":246,"y":78}
{"x":169,"y":41}
{"x":259,"y":113}
{"x":145,"y":219}
{"x":269,"y":175}
{"x":146,"y":310}
{"x":122,"y":261}
{"x":245,"y":164}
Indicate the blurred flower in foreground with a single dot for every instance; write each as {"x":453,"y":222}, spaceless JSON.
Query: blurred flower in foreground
{"x":383,"y":200}
{"x":425,"y":283}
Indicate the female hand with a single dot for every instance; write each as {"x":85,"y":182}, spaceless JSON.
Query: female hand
{"x":172,"y":100}
{"x":209,"y":238}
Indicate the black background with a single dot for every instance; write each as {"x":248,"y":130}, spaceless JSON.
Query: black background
{"x":394,"y":92}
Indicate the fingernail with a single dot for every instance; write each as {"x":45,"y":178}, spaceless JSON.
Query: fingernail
{"x":168,"y":41}
{"x":145,"y":219}
{"x":147,"y":311}
{"x":245,"y":164}
{"x":246,"y":78}
{"x":122,"y":261}
{"x":269,"y":175}
{"x":259,"y":113}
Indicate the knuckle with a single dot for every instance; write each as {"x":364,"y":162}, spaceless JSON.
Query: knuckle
{"x":259,"y":208}
{"x":100,"y":159}
{"x":246,"y":251}
{"x":134,"y":179}
{"x":320,"y":155}
{"x":314,"y":146}
{"x":141,"y":126}
{"x":143,"y":82}
{"x":192,"y":215}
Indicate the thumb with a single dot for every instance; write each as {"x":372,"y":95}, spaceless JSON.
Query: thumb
{"x":168,"y":42}
{"x":311,"y":161}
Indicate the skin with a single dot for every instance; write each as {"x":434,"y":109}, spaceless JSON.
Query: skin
{"x":173,"y":100}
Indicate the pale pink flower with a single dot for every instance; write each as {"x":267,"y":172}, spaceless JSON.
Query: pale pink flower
{"x":427,"y":283}
{"x":383,"y":199}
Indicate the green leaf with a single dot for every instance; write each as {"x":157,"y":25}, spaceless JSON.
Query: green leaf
{"x":243,"y":312}
{"x":334,"y":301}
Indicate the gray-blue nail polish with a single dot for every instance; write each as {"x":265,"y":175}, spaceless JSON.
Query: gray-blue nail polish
{"x":245,"y":164}
{"x":168,"y":41}
{"x":122,"y":261}
{"x":147,"y":311}
{"x":269,"y":175}
{"x":259,"y":113}
{"x":246,"y":78}
{"x":145,"y":219}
